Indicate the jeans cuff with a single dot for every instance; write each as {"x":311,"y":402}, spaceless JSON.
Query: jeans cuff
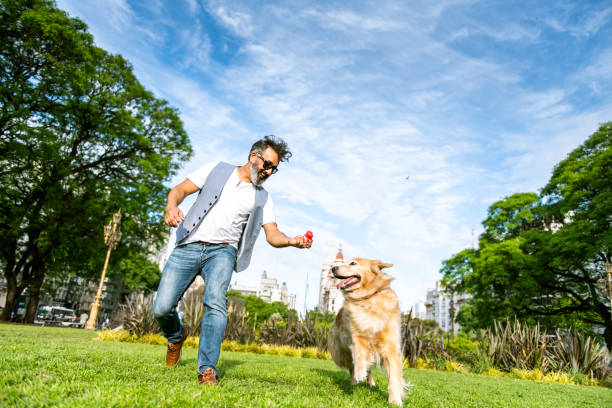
{"x":202,"y":368}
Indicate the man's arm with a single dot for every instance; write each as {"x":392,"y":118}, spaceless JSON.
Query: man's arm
{"x":279,"y":240}
{"x":174,"y":216}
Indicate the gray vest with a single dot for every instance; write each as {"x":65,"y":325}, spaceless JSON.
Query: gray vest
{"x":208,"y":197}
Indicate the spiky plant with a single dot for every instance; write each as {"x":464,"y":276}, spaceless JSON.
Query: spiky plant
{"x":579,"y":354}
{"x":274,"y":333}
{"x":193,"y":309}
{"x":311,"y":333}
{"x":527,"y":346}
{"x":413,"y":340}
{"x":419,"y":343}
{"x":492,"y":350}
{"x":138,"y":317}
{"x":513,"y":345}
{"x":237,"y":328}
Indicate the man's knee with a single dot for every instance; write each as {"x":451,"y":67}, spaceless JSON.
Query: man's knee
{"x":215,"y":304}
{"x":161,"y":309}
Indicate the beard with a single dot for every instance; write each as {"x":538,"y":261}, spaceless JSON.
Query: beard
{"x":258,"y":177}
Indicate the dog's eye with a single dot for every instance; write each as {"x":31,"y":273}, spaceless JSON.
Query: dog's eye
{"x":353,"y":263}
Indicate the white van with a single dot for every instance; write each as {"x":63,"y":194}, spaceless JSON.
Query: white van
{"x":56,"y":316}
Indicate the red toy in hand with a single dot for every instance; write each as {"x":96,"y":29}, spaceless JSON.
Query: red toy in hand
{"x":308,"y":235}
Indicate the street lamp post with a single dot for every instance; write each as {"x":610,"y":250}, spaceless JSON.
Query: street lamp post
{"x":451,"y":312}
{"x":112,"y":235}
{"x":606,"y":287}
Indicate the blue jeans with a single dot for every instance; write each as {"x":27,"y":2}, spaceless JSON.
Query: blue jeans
{"x":215,"y":263}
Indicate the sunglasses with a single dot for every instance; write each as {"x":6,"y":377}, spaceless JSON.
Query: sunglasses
{"x":267,"y":165}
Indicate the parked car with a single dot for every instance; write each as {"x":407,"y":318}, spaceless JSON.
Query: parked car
{"x":57,"y":316}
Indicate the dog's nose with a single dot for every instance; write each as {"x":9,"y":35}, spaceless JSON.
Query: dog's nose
{"x":334,"y":269}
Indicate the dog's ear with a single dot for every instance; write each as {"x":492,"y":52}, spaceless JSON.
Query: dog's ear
{"x":383,"y":265}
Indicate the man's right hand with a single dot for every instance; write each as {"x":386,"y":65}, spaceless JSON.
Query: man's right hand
{"x":174,"y":216}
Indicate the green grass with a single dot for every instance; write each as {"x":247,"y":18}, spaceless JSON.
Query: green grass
{"x":70,"y":367}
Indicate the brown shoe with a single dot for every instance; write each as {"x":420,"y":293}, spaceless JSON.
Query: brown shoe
{"x":208,"y":377}
{"x":173,"y":355}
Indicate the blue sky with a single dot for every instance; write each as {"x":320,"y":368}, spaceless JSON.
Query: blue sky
{"x":471,"y":100}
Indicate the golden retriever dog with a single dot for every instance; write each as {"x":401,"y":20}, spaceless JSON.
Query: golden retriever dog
{"x":367,"y":328}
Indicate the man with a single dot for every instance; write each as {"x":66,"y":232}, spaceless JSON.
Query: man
{"x":214,"y":239}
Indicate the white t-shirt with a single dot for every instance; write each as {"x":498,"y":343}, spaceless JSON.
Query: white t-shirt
{"x":228,"y":218}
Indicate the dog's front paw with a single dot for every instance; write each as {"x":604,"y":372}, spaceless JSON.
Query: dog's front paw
{"x":360,"y":376}
{"x":396,"y":401}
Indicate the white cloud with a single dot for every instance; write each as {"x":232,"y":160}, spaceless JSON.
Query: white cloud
{"x":587,"y":24}
{"x":597,"y":75}
{"x":510,"y":32}
{"x":350,"y":21}
{"x":193,"y":5}
{"x":197,"y":42}
{"x":543,"y":105}
{"x":237,"y":21}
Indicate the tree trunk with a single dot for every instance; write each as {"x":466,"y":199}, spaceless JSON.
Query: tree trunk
{"x":16,"y":265}
{"x":33,"y":299}
{"x":11,"y":295}
{"x":10,"y":274}
{"x":38,"y":277}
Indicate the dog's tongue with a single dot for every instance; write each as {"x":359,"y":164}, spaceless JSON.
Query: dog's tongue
{"x":346,"y":282}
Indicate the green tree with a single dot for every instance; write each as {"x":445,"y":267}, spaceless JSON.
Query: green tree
{"x":137,"y":272}
{"x":496,"y":274}
{"x":465,"y":318}
{"x":257,"y":306}
{"x":79,"y":138}
{"x":453,"y":269}
{"x":326,"y":317}
{"x":578,"y":199}
{"x":428,"y":324}
{"x":539,"y":257}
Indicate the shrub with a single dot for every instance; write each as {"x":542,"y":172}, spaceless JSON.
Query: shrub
{"x":310,"y":352}
{"x":117,"y":335}
{"x":421,"y":363}
{"x":290,"y":351}
{"x":558,"y":377}
{"x":493,"y":372}
{"x":230,"y":345}
{"x":192,"y":342}
{"x":583,"y":379}
{"x":462,"y":349}
{"x":536,"y":374}
{"x":455,"y":366}
{"x":150,"y":338}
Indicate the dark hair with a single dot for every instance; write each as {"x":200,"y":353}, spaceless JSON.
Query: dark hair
{"x":276,"y":143}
